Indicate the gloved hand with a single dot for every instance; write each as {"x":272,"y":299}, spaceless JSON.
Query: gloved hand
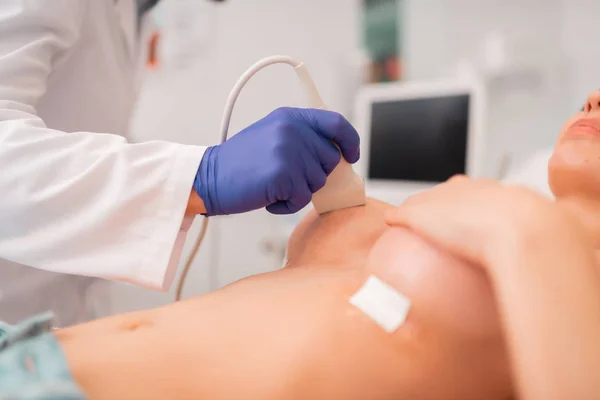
{"x":277,"y":163}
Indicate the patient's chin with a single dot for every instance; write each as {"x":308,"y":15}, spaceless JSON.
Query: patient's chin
{"x":446,"y":292}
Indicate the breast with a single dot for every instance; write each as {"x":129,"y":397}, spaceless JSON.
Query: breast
{"x":447,"y":293}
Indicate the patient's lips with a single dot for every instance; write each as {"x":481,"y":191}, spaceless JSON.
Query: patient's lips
{"x":584,"y":127}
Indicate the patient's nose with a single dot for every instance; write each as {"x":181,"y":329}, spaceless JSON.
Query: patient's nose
{"x":593,"y":102}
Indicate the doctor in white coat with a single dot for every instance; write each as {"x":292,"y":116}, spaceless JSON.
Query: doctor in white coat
{"x":77,"y":200}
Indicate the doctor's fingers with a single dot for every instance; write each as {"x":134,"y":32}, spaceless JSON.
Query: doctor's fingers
{"x":316,"y":173}
{"x":333,"y":127}
{"x":300,"y":196}
{"x":325,"y":155}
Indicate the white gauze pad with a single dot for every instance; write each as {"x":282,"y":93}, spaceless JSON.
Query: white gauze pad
{"x":382,"y":303}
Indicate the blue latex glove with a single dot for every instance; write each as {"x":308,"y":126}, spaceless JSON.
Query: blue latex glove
{"x":277,"y":163}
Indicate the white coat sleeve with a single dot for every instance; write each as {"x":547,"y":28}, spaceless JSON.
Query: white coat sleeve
{"x":81,"y":203}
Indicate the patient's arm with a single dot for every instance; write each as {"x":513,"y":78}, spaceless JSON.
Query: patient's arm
{"x":292,"y":334}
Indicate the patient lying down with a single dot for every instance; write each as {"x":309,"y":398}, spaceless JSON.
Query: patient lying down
{"x":292,"y":334}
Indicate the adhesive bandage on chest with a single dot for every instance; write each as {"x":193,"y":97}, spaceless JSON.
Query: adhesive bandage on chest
{"x":386,"y":306}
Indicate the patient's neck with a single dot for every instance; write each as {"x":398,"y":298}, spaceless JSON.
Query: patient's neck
{"x":587,"y":212}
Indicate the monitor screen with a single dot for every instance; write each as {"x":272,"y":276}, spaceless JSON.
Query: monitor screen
{"x":423,"y":139}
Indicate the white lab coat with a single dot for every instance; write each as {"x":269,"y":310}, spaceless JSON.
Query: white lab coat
{"x":73,"y":201}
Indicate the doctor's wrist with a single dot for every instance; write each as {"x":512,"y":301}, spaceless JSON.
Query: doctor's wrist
{"x":199,"y":201}
{"x":205,"y":183}
{"x":195,"y":205}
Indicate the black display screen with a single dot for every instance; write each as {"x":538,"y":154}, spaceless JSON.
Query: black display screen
{"x":422,"y":140}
